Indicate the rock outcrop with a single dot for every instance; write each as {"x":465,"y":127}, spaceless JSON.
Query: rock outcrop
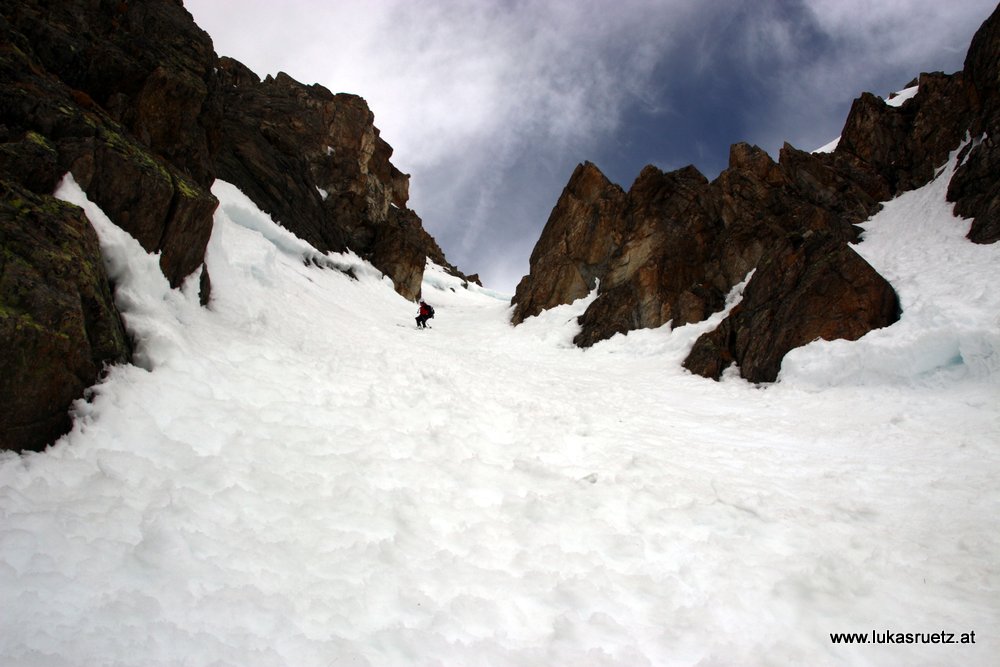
{"x":116,"y":94}
{"x":813,"y":286}
{"x":975,"y":188}
{"x":576,"y":246}
{"x":58,"y":320}
{"x":121,"y":93}
{"x":670,"y":248}
{"x":131,"y":98}
{"x":316,"y":163}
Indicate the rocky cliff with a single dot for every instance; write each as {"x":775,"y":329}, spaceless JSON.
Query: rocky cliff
{"x":670,"y":248}
{"x":132,"y":100}
{"x":316,"y":163}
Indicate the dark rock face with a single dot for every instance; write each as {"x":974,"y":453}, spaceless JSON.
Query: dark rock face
{"x":812,"y":286}
{"x":576,"y":245}
{"x":671,"y":220}
{"x":904,"y":145}
{"x":145,"y":63}
{"x":316,"y":163}
{"x":670,"y":248}
{"x":400,"y":246}
{"x":131,"y":99}
{"x":975,"y":188}
{"x":114,"y":93}
{"x":121,"y":92}
{"x":57,"y":317}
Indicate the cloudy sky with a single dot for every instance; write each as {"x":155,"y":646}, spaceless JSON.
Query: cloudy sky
{"x":490,"y":104}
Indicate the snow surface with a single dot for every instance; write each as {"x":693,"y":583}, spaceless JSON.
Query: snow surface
{"x":897,"y":98}
{"x":297,"y":476}
{"x":828,"y":148}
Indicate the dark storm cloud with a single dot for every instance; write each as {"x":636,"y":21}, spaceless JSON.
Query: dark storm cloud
{"x":490,"y":106}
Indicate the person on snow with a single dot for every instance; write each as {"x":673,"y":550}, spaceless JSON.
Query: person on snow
{"x":426,"y":313}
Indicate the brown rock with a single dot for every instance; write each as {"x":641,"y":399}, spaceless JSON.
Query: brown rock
{"x":975,"y":188}
{"x":74,"y":81}
{"x":144,"y":62}
{"x":576,"y":244}
{"x":658,"y":273}
{"x":679,"y":243}
{"x":316,"y":163}
{"x":982,"y":71}
{"x":114,"y":93}
{"x":144,"y":195}
{"x":814,"y":286}
{"x":398,"y":250}
{"x":905,"y":145}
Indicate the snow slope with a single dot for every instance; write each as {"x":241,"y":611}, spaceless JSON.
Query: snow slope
{"x":297,"y":476}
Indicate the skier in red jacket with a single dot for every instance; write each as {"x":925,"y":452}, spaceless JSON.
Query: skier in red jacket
{"x":426,"y":313}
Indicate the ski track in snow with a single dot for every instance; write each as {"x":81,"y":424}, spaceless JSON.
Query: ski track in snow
{"x":288,"y":478}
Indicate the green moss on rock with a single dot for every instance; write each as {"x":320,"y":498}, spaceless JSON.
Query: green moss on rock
{"x":39,"y":140}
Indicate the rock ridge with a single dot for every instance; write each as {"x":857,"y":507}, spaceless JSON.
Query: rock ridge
{"x":671,"y":247}
{"x":315,"y":162}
